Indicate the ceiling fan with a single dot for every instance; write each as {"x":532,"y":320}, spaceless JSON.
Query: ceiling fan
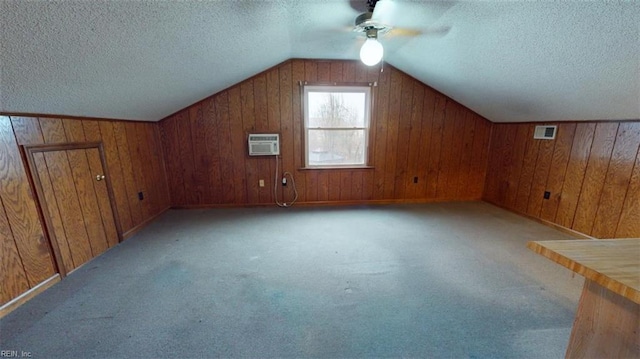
{"x":372,"y":51}
{"x":376,"y":22}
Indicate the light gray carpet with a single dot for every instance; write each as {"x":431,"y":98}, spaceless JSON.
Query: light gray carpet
{"x":444,"y":280}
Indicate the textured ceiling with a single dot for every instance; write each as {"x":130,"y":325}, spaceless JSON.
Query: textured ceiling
{"x":143,"y":60}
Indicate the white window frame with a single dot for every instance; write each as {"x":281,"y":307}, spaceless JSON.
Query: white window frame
{"x":367,"y":121}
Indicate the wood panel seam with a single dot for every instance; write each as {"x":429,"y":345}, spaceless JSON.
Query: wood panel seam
{"x":628,"y":189}
{"x":13,"y":238}
{"x":613,"y":146}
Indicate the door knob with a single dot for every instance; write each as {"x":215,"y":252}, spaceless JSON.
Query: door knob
{"x":99,"y":177}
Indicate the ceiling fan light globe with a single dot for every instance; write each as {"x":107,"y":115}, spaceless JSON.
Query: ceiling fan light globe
{"x":371,"y":52}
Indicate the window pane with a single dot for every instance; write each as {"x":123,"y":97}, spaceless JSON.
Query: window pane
{"x":336,"y":147}
{"x":336,"y":109}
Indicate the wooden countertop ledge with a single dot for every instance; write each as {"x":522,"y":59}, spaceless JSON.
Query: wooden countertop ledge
{"x":612,"y":263}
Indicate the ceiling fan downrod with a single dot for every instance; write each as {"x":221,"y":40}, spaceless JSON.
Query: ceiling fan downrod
{"x":372,"y":32}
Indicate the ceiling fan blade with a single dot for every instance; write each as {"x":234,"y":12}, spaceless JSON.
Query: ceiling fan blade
{"x":437,"y":31}
{"x":359,"y":5}
{"x":403,"y":32}
{"x":410,"y":14}
{"x":385,"y":12}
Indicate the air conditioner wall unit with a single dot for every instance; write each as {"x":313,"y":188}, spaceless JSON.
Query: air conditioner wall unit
{"x":264,"y":144}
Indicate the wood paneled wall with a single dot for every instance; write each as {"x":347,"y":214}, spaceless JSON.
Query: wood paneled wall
{"x":26,"y":256}
{"x":135,"y":164}
{"x":416,"y":132}
{"x":591,"y":169}
{"x":133,"y":153}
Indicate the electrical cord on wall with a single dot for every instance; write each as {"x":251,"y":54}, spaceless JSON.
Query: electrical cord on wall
{"x":275,"y":187}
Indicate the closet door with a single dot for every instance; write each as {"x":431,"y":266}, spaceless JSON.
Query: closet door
{"x":75,"y":195}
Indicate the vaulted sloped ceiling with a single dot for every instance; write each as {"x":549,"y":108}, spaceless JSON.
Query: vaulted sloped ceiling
{"x":143,"y":60}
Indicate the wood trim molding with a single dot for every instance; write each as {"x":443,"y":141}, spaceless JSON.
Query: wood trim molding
{"x":337,"y":168}
{"x":26,"y":296}
{"x":555,"y":226}
{"x":543,"y":123}
{"x":39,"y":198}
{"x":303,"y":143}
{"x":331,"y":203}
{"x":337,"y":83}
{"x":70,"y":117}
{"x":61,"y":146}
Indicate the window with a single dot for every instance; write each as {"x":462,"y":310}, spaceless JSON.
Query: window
{"x":336,"y":124}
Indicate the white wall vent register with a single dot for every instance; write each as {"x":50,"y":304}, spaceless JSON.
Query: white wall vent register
{"x":545,"y":132}
{"x":264,"y":144}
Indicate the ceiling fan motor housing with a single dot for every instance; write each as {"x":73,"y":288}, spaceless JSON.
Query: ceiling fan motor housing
{"x":370,"y":27}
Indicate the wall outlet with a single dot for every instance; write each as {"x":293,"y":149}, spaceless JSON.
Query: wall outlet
{"x":261,"y":183}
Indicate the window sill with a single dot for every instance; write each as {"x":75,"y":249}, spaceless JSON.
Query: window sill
{"x":336,"y":168}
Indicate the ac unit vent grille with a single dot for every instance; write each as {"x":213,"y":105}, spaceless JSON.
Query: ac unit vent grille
{"x":260,"y":148}
{"x":545,"y":132}
{"x":264,"y":138}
